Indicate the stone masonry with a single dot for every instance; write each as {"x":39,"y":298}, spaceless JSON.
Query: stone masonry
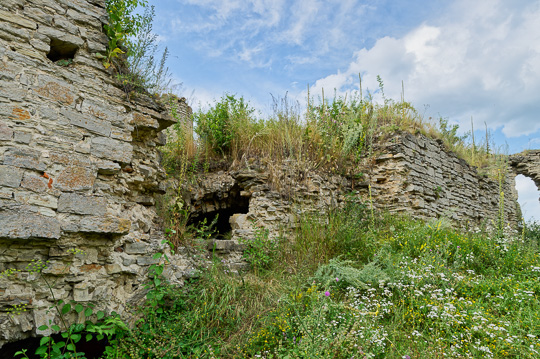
{"x":411,"y":174}
{"x":79,"y":166}
{"x":527,"y":163}
{"x":79,"y":170}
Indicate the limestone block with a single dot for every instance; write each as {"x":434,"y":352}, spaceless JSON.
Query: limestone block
{"x":10,"y":176}
{"x":239,"y":221}
{"x":54,"y":91}
{"x":28,"y":225}
{"x":110,"y":149}
{"x":22,"y":137}
{"x":107,"y":167}
{"x":6,"y":133}
{"x":136,"y":248}
{"x":78,"y":204}
{"x":147,"y":260}
{"x":76,"y":178}
{"x":17,"y":19}
{"x":25,"y":158}
{"x":90,"y":123}
{"x":81,"y":292}
{"x":108,"y":224}
{"x":41,"y":200}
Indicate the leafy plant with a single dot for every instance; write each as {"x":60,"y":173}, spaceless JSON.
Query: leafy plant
{"x":90,"y":324}
{"x":260,"y":251}
{"x":123,"y":24}
{"x":219,"y":126}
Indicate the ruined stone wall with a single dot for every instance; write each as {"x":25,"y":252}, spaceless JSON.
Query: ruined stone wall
{"x":527,"y":163}
{"x":410,"y":174}
{"x":418,"y":175}
{"x":79,"y":166}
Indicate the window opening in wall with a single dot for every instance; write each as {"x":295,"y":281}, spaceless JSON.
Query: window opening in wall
{"x":233,"y":204}
{"x":62,"y":51}
{"x":528,"y":196}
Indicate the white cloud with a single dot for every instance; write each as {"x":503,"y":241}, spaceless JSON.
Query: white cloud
{"x":482,"y":59}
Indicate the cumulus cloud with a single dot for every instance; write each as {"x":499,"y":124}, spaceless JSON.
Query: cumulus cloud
{"x":481,"y":59}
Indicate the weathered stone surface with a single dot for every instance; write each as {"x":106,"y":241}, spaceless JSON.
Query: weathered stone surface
{"x":113,"y":150}
{"x":108,"y":224}
{"x":10,"y":176}
{"x":36,"y":183}
{"x":6,"y":133}
{"x":24,"y":158}
{"x":136,"y":248}
{"x":75,"y":178}
{"x":79,"y":204}
{"x":17,"y":20}
{"x":28,"y":225}
{"x":88,"y":122}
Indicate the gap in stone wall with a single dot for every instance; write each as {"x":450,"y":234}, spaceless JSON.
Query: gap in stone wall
{"x":234,"y":203}
{"x":528,"y":196}
{"x":61,"y":50}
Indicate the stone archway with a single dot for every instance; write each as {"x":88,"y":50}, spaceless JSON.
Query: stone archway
{"x":527,"y":163}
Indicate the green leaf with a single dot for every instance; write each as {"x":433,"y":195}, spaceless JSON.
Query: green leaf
{"x":71,"y":347}
{"x":41,"y":350}
{"x":88,"y":312}
{"x":65,"y":335}
{"x":59,"y":345}
{"x":43,"y":327}
{"x":55,"y":328}
{"x":66,"y":308}
{"x":88,"y":337}
{"x":100,"y":336}
{"x":79,"y":308}
{"x":100,"y":315}
{"x":157,"y":255}
{"x":44,"y":340}
{"x":157,"y":282}
{"x":76,"y":338}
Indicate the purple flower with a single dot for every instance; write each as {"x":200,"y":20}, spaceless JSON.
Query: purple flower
{"x":327,"y":293}
{"x":337,"y":279}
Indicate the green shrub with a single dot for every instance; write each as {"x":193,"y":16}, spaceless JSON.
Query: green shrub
{"x":221,"y":124}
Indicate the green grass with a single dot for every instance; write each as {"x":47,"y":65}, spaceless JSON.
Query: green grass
{"x":337,"y":135}
{"x":349,"y":285}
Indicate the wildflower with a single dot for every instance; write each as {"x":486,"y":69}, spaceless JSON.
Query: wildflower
{"x":327,"y":293}
{"x":337,"y":279}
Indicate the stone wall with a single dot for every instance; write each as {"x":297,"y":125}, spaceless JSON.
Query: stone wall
{"x":411,"y":174}
{"x":79,"y":166}
{"x":527,"y":163}
{"x":418,"y":175}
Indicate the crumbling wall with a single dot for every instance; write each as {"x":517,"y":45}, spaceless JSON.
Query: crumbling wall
{"x":418,"y":175}
{"x":79,"y":166}
{"x":527,"y":163}
{"x":410,"y":174}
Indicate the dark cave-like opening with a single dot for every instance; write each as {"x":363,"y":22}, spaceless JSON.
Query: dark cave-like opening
{"x":61,"y":50}
{"x":233,"y":204}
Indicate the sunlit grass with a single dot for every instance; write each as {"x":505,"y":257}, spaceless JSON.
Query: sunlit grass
{"x":348,"y":285}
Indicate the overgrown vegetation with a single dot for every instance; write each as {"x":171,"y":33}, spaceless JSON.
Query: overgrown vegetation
{"x":338,"y":135}
{"x":343,"y":288}
{"x":132,"y":48}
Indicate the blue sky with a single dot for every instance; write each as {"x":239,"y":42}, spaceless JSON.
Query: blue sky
{"x":457,"y":59}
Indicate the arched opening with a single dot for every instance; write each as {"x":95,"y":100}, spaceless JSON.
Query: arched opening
{"x":528,"y":196}
{"x":223,"y":209}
